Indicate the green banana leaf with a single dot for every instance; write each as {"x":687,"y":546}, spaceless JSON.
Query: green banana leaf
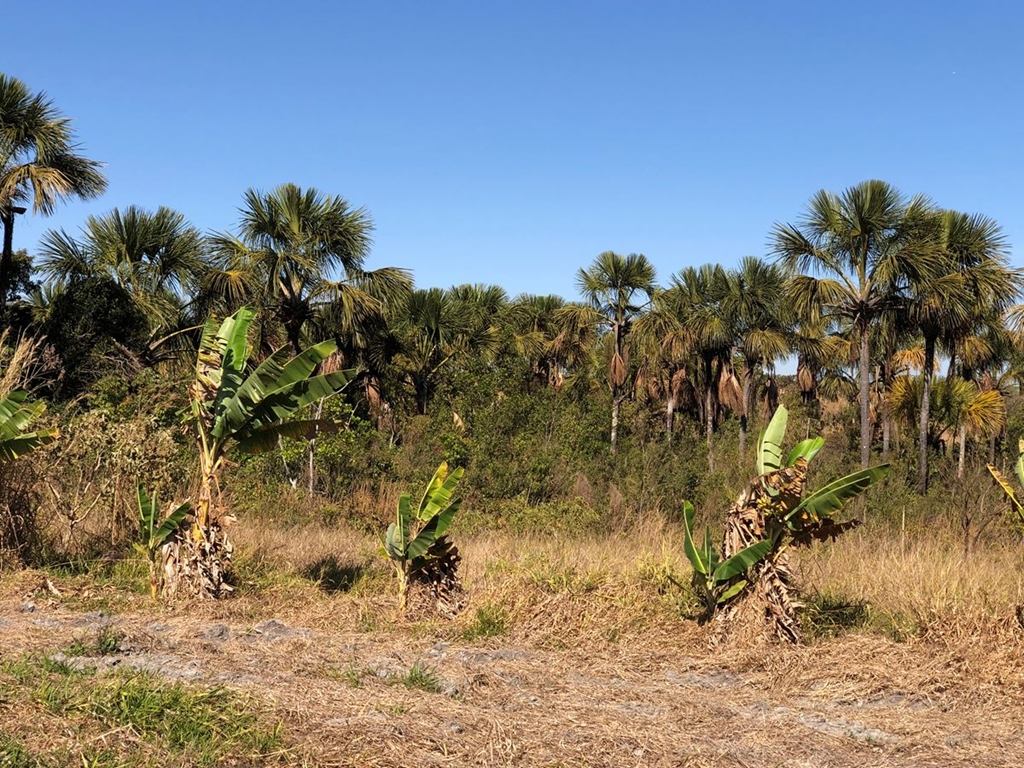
{"x":807,"y":449}
{"x":149,"y":512}
{"x":265,"y":438}
{"x":742,"y":560}
{"x":834,"y":496}
{"x":432,"y":531}
{"x":439,"y":492}
{"x":283,"y":402}
{"x":1019,"y":466}
{"x":769,"y":445}
{"x":12,"y":448}
{"x":732,"y":591}
{"x":694,"y":555}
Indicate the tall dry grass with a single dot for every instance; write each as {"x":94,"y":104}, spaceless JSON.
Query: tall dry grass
{"x":919,"y":584}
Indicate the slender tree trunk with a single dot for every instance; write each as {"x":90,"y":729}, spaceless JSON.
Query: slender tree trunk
{"x":709,"y":403}
{"x":926,"y":405}
{"x":886,"y":433}
{"x":670,"y":414}
{"x":962,"y":441}
{"x":616,"y":401}
{"x":992,"y":448}
{"x":865,"y":413}
{"x":7,"y":217}
{"x":312,"y":448}
{"x":748,"y":380}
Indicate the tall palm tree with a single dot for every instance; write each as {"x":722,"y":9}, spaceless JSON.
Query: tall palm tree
{"x":698,"y":297}
{"x":617,"y":287}
{"x":972,"y":277}
{"x":754,"y":298}
{"x":39,"y":163}
{"x":666,"y":344}
{"x":853,"y":239}
{"x":158,"y":258}
{"x":298,"y":254}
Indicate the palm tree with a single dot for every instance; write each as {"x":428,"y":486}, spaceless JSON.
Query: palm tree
{"x":611,"y":287}
{"x":754,"y":298}
{"x":299,"y":256}
{"x":666,"y":345}
{"x":431,"y":328}
{"x":158,"y":258}
{"x":38,"y":163}
{"x":698,"y":297}
{"x":972,"y":276}
{"x":854,"y":239}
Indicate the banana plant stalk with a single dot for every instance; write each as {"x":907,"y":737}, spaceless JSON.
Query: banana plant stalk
{"x":772,"y":515}
{"x":156,"y":532}
{"x":233,"y":406}
{"x":416,"y":540}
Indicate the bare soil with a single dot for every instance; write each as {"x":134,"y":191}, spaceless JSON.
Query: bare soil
{"x":656,"y":697}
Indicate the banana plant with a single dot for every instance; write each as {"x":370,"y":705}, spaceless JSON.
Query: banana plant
{"x":416,"y":543}
{"x":16,"y":413}
{"x":717,"y":581}
{"x":772,"y":515}
{"x":155,"y":532}
{"x":1015,"y":504}
{"x":249,"y":409}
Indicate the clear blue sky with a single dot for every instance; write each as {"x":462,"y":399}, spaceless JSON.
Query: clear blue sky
{"x":511,"y":142}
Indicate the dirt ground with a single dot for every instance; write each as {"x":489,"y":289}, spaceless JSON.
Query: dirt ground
{"x":655,"y":698}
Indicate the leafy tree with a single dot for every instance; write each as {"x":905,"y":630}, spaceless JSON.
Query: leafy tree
{"x":157,"y":258}
{"x":854,"y":239}
{"x":39,"y":163}
{"x":617,"y":288}
{"x":754,"y":298}
{"x":699,"y":299}
{"x":299,"y":257}
{"x":971,"y":276}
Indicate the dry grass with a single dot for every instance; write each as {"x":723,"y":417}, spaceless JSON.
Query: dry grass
{"x":581,"y":653}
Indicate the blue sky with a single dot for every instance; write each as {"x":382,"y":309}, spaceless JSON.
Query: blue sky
{"x":511,"y":142}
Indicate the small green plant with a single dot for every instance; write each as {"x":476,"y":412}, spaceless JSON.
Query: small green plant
{"x":420,"y":678}
{"x":771,"y":516}
{"x":155,"y":532}
{"x":491,"y":621}
{"x":1018,"y":468}
{"x":416,"y":542}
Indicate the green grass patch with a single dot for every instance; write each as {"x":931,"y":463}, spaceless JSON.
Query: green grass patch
{"x":175,"y":723}
{"x":490,"y":621}
{"x":419,"y":678}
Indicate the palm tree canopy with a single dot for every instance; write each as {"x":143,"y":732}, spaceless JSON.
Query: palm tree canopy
{"x":614,"y":283}
{"x":38,"y":153}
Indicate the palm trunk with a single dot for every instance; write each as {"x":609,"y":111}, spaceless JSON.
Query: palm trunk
{"x":709,"y":403}
{"x":7,"y":218}
{"x":962,"y":441}
{"x":748,"y":379}
{"x":616,"y":401}
{"x":670,"y":414}
{"x":926,"y":404}
{"x":865,"y":413}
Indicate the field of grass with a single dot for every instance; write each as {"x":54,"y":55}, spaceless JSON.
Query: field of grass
{"x":580,"y":652}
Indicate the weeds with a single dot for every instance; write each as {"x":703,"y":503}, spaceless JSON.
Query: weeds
{"x":419,"y":678}
{"x":490,"y":621}
{"x":197,"y":726}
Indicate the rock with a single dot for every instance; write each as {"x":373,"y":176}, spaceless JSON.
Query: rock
{"x":28,"y":607}
{"x":215,"y":633}
{"x":272,"y":630}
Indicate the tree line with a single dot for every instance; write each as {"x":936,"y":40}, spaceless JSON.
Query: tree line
{"x":872,"y":291}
